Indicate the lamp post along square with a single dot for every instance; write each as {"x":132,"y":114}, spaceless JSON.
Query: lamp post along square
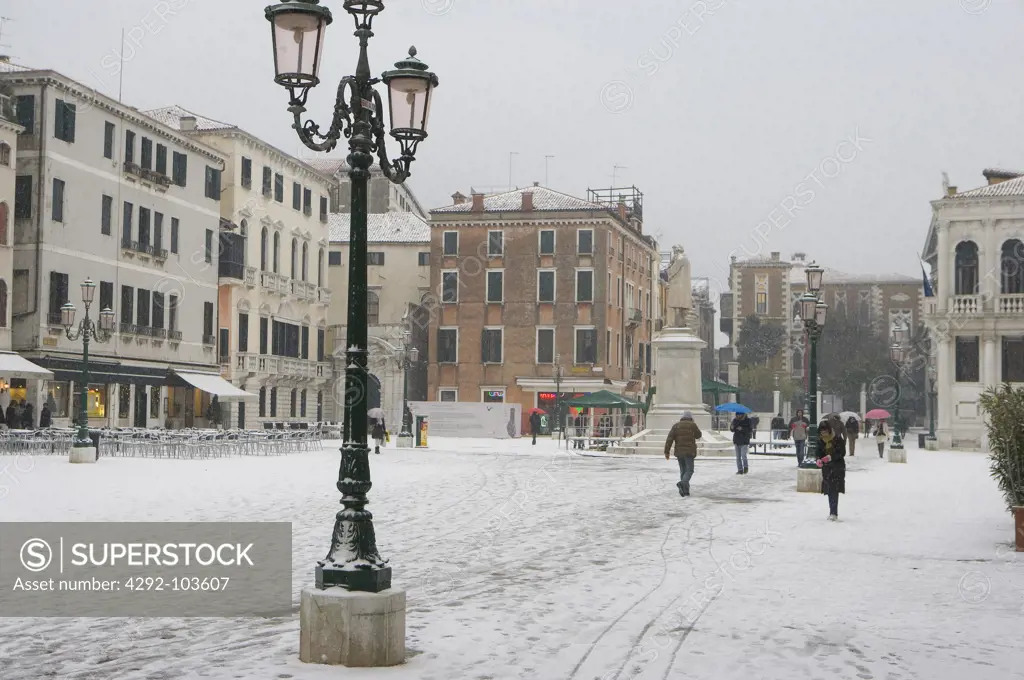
{"x":353,"y":563}
{"x":83,"y":449}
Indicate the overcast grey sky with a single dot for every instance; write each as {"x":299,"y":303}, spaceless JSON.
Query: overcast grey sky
{"x":720,"y":110}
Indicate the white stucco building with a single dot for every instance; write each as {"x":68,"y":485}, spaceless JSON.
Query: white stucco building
{"x":383,"y":195}
{"x":9,"y":131}
{"x":106,"y":192}
{"x":398,"y":277}
{"x":975,"y":247}
{"x":274,"y":292}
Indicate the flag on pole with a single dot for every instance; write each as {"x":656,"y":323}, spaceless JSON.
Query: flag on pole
{"x":928,"y":291}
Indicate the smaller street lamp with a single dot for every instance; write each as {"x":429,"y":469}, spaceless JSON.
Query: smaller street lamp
{"x":87,"y":330}
{"x":814,"y":312}
{"x":897,"y":354}
{"x":556,"y":373}
{"x":933,"y":402}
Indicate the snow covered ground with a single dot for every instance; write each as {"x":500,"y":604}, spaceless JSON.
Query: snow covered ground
{"x":523,"y":562}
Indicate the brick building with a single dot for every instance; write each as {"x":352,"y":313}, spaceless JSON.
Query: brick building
{"x":531,"y":279}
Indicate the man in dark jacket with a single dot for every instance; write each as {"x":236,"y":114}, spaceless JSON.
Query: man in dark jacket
{"x":852,"y":434}
{"x":27,"y":420}
{"x":12,"y":415}
{"x":684,"y":435}
{"x":535,"y":425}
{"x":742,"y":431}
{"x":44,"y":417}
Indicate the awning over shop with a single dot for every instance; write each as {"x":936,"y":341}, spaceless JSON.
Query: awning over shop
{"x":103,"y":372}
{"x":15,"y":366}
{"x":215,"y":385}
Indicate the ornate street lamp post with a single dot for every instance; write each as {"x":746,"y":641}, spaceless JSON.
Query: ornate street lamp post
{"x":87,"y":331}
{"x":813,"y":312}
{"x":933,"y":402}
{"x":556,"y":373}
{"x":409,"y":357}
{"x":897,"y":353}
{"x":353,"y":561}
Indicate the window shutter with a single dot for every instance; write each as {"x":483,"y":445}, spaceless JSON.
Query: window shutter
{"x":58,"y":120}
{"x":69,"y":122}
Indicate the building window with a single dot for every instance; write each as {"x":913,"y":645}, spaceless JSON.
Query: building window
{"x":375,"y":259}
{"x":307,"y":202}
{"x":58,"y":293}
{"x":142,"y":307}
{"x":762,"y":303}
{"x":451,"y":243}
{"x":449,"y":287}
{"x":323,"y":209}
{"x":5,"y":154}
{"x":295,"y":259}
{"x":212,"y":183}
{"x":273,"y":402}
{"x":967,"y":355}
{"x":586,"y":346}
{"x":305,"y":261}
{"x":1013,"y":359}
{"x":279,"y":188}
{"x":129,"y":146}
{"x":372,"y":308}
{"x":106,"y":214}
{"x":146,"y":154}
{"x":491,"y":345}
{"x":3,"y":224}
{"x":321,"y":341}
{"x":58,"y":200}
{"x":546,"y":285}
{"x":584,"y":285}
{"x":493,"y":396}
{"x":585,"y":241}
{"x":264,"y":334}
{"x":319,"y":406}
{"x":64,"y":121}
{"x":207,"y":321}
{"x":172,"y":313}
{"x":296,"y":196}
{"x":263,"y":402}
{"x":495,"y":243}
{"x":106,"y":295}
{"x":447,"y":345}
{"x":495,"y":286}
{"x":320,"y":267}
{"x":334,"y":259}
{"x":545,"y":345}
{"x":1012,"y":266}
{"x":161,"y":159}
{"x":174,"y":235}
{"x":108,"y":139}
{"x":23,"y":196}
{"x":243,"y":332}
{"x":25,"y":113}
{"x":302,"y":404}
{"x":424,"y":259}
{"x":547,"y":242}
{"x":277,"y":253}
{"x":246,"y":173}
{"x":209,"y":245}
{"x":127,"y":304}
{"x":966,"y":268}
{"x":143,"y":227}
{"x":447,"y":395}
{"x":158,"y":310}
{"x":268,"y":181}
{"x":294,"y":402}
{"x":179,"y":169}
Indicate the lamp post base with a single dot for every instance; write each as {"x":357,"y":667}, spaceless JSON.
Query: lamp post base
{"x":83,"y":454}
{"x":808,"y":480}
{"x":405,"y":440}
{"x":897,"y":455}
{"x":339,"y":627}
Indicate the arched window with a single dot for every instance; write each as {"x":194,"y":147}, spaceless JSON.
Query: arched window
{"x":5,"y":153}
{"x":263,"y":250}
{"x":305,"y":262}
{"x":263,"y":401}
{"x":302,"y":404}
{"x":244,"y":228}
{"x":3,"y":224}
{"x":966,"y":268}
{"x":372,"y":308}
{"x":3,"y":304}
{"x":295,"y":400}
{"x":1012,"y":265}
{"x":320,"y":268}
{"x":295,"y":258}
{"x":319,"y":407}
{"x":277,"y":253}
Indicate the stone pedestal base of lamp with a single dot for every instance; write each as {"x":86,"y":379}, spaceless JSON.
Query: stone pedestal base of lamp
{"x":83,"y":454}
{"x":339,"y":627}
{"x":405,"y":441}
{"x":808,"y":480}
{"x":897,"y":455}
{"x":931,"y":444}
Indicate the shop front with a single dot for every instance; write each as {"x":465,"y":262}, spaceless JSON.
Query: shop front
{"x":201,"y":400}
{"x":17,"y":377}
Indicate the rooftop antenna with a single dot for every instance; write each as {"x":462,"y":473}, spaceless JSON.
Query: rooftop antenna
{"x":510,"y":155}
{"x":615,"y":173}
{"x":945,"y":184}
{"x":120,"y":74}
{"x":3,"y":20}
{"x":546,"y":159}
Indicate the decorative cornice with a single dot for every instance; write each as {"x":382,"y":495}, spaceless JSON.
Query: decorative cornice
{"x":300,"y":169}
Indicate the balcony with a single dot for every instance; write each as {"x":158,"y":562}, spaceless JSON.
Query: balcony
{"x":324,"y":295}
{"x":53,"y":319}
{"x":638,"y":372}
{"x":174,"y":336}
{"x":128,"y":328}
{"x":210,"y":340}
{"x":965,"y":305}
{"x":273,"y":283}
{"x":250,"y":277}
{"x":1010,"y":304}
{"x":231,"y":270}
{"x":634,"y":317}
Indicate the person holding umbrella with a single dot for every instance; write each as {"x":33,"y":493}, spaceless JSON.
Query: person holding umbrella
{"x":852,"y":431}
{"x":880,"y":433}
{"x":831,"y":459}
{"x":742,"y":431}
{"x":379,"y":431}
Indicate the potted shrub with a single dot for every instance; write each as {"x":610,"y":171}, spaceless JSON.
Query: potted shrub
{"x":1004,"y":408}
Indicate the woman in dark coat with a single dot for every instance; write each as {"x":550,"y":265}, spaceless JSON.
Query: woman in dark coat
{"x":832,"y":461}
{"x":379,"y":433}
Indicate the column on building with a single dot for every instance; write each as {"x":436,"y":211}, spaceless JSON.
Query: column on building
{"x":945,"y":286}
{"x":945,"y":382}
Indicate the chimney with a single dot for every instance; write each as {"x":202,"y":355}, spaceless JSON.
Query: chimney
{"x":622,"y":210}
{"x":951,"y":191}
{"x":478,"y":202}
{"x":188,"y":123}
{"x":995,"y":176}
{"x":799,"y":257}
{"x":458,"y":198}
{"x":527,"y":201}
{"x":4,"y":59}
{"x":536,"y":184}
{"x":775,"y":257}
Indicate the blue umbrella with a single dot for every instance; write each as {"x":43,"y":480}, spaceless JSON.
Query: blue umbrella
{"x":733,"y":407}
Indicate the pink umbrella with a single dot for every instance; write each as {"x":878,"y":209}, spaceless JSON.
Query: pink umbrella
{"x":877,"y":414}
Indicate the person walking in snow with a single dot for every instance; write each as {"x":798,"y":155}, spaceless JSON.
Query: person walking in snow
{"x":742,"y":431}
{"x":832,"y":461}
{"x":881,"y":434}
{"x":684,"y":435}
{"x":798,"y":428}
{"x":754,"y":422}
{"x":379,"y":433}
{"x":852,"y":433}
{"x":535,"y":425}
{"x":837,"y":425}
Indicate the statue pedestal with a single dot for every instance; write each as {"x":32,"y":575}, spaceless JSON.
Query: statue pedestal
{"x":677,"y":352}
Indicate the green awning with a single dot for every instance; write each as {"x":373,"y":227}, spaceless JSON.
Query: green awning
{"x":718,"y":387}
{"x":604,"y":399}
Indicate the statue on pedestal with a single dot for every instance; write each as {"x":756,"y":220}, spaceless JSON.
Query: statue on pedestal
{"x":679,"y":294}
